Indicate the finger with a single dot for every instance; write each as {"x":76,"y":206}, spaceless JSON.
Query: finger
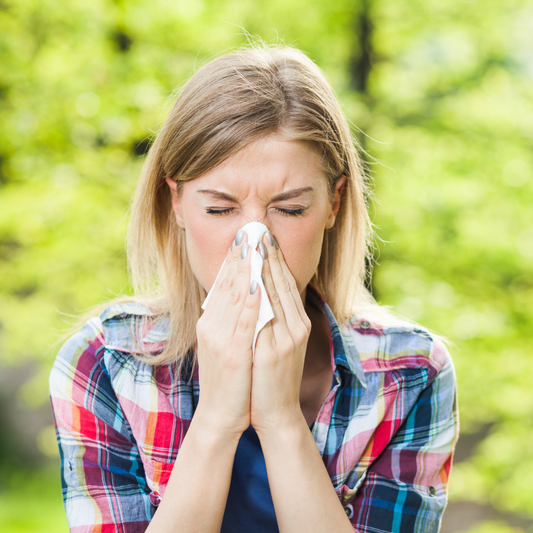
{"x":284,"y":288}
{"x":279,"y":322}
{"x":225,"y":280}
{"x":230,"y":288}
{"x":237,"y":295}
{"x":293,"y":285}
{"x":244,"y":332}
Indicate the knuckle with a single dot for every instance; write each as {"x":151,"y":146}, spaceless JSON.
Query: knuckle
{"x":293,"y":284}
{"x":200,"y":323}
{"x":287,"y":347}
{"x":225,"y":284}
{"x":274,"y":298}
{"x":201,"y":330}
{"x":302,"y":335}
{"x":243,"y":325}
{"x":285,"y":285}
{"x":234,"y":297}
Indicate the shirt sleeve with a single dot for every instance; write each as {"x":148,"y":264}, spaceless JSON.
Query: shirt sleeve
{"x":103,"y":481}
{"x":405,"y":489}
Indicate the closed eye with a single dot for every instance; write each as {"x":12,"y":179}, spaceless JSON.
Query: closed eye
{"x":290,"y":212}
{"x":210,"y":211}
{"x":286,"y":212}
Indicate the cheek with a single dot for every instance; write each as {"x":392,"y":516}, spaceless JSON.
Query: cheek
{"x":207,"y":245}
{"x":302,"y":246}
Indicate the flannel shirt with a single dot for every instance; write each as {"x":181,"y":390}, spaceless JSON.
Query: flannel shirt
{"x":386,"y":431}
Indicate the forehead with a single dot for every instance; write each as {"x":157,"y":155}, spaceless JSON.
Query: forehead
{"x":266,"y":166}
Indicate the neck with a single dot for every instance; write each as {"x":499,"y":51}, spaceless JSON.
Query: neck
{"x":318,"y":348}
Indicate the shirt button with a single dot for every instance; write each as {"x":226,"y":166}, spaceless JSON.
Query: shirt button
{"x":349,"y":510}
{"x":432,"y":491}
{"x":155,"y":498}
{"x":364,"y":324}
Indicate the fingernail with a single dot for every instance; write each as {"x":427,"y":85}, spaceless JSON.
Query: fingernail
{"x":275,"y":243}
{"x":253,"y":287}
{"x":244,"y":250}
{"x":239,"y":237}
{"x":263,"y":250}
{"x":269,"y":237}
{"x":263,"y":278}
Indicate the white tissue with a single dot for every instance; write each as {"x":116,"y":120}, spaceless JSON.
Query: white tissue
{"x":255,"y":232}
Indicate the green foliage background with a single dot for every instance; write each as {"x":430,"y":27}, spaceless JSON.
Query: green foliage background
{"x":446,"y":111}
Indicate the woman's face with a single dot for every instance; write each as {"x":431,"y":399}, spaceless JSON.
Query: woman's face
{"x":278,"y":183}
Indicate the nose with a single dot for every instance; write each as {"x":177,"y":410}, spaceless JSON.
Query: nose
{"x":255,"y":216}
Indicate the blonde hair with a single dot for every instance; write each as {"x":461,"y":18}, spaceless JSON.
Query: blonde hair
{"x":230,"y":102}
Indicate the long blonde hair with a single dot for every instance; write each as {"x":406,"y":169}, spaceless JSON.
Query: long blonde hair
{"x":230,"y":102}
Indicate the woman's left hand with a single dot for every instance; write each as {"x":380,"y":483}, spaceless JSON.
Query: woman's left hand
{"x":280,"y":350}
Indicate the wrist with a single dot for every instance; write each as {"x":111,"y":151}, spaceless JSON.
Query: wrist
{"x":284,"y":429}
{"x":212,"y":428}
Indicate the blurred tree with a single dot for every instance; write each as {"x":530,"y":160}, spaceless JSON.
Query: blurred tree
{"x":442,"y":92}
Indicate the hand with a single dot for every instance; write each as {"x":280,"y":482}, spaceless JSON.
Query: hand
{"x":225,"y":332}
{"x":280,"y":349}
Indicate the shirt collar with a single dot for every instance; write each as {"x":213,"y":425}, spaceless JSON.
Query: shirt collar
{"x":344,"y":350}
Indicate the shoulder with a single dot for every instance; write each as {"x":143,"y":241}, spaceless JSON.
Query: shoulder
{"x":389,"y":343}
{"x":118,"y":332}
{"x":132,"y":327}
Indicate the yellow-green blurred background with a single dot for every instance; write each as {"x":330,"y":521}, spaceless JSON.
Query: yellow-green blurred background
{"x":443,"y":91}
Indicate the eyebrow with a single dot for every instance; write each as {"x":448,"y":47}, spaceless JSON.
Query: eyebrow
{"x":280,"y":197}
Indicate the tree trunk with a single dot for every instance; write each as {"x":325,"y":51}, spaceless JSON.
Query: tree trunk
{"x":360,"y":67}
{"x":361,"y":60}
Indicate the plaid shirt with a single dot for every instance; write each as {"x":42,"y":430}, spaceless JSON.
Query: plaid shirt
{"x":386,"y":431}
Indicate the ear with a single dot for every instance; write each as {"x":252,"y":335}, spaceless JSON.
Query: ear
{"x":336,"y":203}
{"x":173,"y":186}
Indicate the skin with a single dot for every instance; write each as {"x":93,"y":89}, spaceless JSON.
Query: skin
{"x":281,"y":390}
{"x":253,"y":177}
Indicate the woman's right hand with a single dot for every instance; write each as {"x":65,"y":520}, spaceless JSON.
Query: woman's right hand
{"x":224,"y":350}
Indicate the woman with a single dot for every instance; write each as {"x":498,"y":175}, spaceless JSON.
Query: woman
{"x":340,"y":417}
